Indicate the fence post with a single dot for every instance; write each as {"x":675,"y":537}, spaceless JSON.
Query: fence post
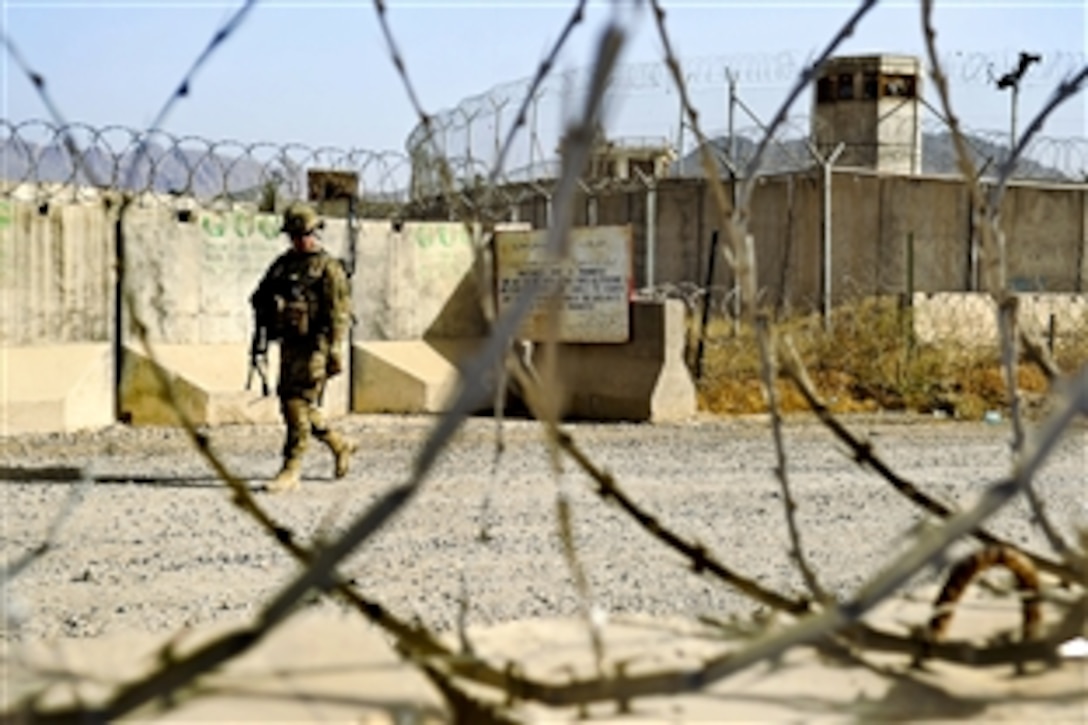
{"x":827,"y":178}
{"x":651,"y":232}
{"x":907,"y":308}
{"x":119,"y":315}
{"x":706,"y":305}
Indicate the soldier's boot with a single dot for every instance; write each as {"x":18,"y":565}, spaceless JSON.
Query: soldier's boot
{"x":341,"y":450}
{"x":288,"y":479}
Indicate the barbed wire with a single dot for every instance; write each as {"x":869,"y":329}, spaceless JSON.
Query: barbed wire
{"x":473,"y":127}
{"x":33,"y":152}
{"x":41,"y":158}
{"x":754,"y":70}
{"x":142,"y":161}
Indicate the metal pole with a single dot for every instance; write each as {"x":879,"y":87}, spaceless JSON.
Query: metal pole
{"x":827,"y":232}
{"x":532,"y":141}
{"x":651,"y":232}
{"x":732,"y":116}
{"x":352,"y":261}
{"x":910,"y":268}
{"x":1011,"y":80}
{"x":120,"y":316}
{"x":733,"y":191}
{"x":1012,"y":117}
{"x":498,"y":128}
{"x":680,"y":130}
{"x":706,"y":305}
{"x":468,"y":136}
{"x":827,"y":246}
{"x":909,"y":306}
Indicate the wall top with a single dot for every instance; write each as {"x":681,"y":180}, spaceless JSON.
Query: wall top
{"x":886,"y":62}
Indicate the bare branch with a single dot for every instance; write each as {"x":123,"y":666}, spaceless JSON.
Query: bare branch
{"x":472,"y":392}
{"x":38,"y":81}
{"x":701,"y":560}
{"x":768,"y":371}
{"x":803,"y":82}
{"x":865,"y":456}
{"x":581,"y":582}
{"x":710,"y":169}
{"x":1066,"y":90}
{"x":82,"y":484}
{"x":986,"y":213}
{"x":545,"y":68}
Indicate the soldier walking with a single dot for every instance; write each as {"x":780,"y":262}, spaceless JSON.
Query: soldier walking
{"x":304,"y":300}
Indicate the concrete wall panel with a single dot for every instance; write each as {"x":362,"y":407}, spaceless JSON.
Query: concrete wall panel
{"x":855,"y":258}
{"x":415,"y":281}
{"x":56,"y":280}
{"x":1043,"y":237}
{"x":924,"y":224}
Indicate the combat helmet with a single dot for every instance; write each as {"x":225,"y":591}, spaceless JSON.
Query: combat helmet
{"x":300,"y":219}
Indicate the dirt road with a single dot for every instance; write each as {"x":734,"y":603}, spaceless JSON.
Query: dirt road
{"x":155,"y":542}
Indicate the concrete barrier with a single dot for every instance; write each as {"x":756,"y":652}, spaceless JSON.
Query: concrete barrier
{"x":408,"y":376}
{"x":969,"y":319}
{"x":209,"y":386}
{"x":50,"y":388}
{"x":644,"y":379}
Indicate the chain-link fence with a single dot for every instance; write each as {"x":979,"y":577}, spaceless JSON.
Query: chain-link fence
{"x":473,"y":130}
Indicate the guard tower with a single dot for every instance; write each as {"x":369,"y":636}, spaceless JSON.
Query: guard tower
{"x":624,"y":158}
{"x":872,"y":104}
{"x":627,"y":158}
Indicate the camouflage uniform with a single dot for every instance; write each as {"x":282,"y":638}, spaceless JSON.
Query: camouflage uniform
{"x":305,"y":294}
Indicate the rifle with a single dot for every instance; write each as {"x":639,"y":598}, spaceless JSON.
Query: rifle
{"x":258,"y":353}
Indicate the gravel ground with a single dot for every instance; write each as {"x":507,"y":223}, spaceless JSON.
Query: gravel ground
{"x":156,"y":543}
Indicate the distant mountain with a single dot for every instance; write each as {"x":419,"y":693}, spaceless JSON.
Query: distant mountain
{"x":177,"y":171}
{"x":938,"y":157}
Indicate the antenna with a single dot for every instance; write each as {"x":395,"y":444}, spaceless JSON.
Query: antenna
{"x":1012,"y":80}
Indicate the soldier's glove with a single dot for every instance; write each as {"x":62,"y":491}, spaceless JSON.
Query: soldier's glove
{"x":335,"y":364}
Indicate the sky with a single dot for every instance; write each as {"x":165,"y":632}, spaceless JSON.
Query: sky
{"x":319,"y":73}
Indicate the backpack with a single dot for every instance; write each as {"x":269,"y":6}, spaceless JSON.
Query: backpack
{"x":289,"y":302}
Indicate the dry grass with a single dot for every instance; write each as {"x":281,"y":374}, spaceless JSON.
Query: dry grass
{"x":869,"y":361}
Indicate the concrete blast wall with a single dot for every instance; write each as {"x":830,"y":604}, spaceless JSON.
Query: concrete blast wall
{"x":56,"y":317}
{"x":56,"y":274}
{"x":193,"y":279}
{"x":192,"y":282}
{"x":890,"y":234}
{"x":416,"y":280}
{"x":971,"y":319}
{"x":190,"y":276}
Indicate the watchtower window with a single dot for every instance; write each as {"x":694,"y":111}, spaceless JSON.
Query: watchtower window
{"x":870,"y":86}
{"x":646,"y":166}
{"x":846,"y":86}
{"x":900,"y":86}
{"x":825,"y":90}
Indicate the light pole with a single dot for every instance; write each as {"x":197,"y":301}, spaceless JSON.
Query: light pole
{"x":1012,"y":80}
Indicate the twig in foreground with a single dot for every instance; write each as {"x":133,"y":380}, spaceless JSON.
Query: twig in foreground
{"x":865,"y":456}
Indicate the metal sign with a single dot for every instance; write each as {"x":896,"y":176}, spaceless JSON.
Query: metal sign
{"x":592,"y":287}
{"x":330,"y":185}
